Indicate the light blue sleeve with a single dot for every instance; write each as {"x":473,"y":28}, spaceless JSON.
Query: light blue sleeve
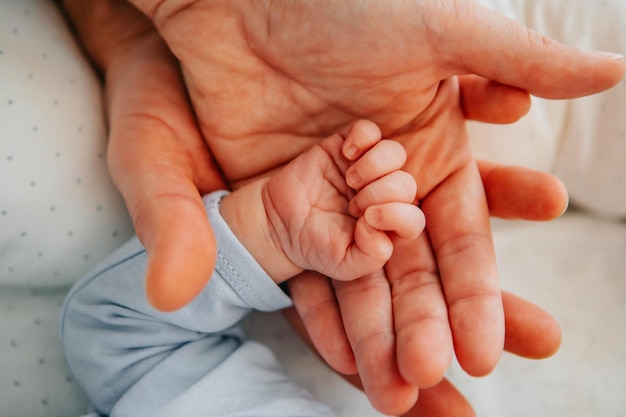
{"x":133,"y":360}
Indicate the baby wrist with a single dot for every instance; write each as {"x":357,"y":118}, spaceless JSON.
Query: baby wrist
{"x":245,"y":214}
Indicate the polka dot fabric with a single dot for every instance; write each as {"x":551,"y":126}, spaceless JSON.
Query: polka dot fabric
{"x":59,"y":212}
{"x":34,"y":380}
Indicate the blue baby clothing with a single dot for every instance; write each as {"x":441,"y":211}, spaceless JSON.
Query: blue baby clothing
{"x":133,"y":360}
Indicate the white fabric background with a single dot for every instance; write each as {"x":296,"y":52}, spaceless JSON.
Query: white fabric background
{"x":59,"y":212}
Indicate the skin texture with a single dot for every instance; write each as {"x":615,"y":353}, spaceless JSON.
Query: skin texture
{"x":299,"y":218}
{"x":268,"y":80}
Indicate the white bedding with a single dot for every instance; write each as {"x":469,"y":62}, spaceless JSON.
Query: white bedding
{"x":51,"y":156}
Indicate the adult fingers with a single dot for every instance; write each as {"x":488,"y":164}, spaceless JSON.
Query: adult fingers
{"x":373,"y":342}
{"x":424,"y":341}
{"x":159,"y":162}
{"x":468,"y":38}
{"x":168,"y":214}
{"x":522,"y":193}
{"x":442,"y":400}
{"x":180,"y":244}
{"x":530,"y":331}
{"x":318,"y":312}
{"x":491,"y":102}
{"x":460,"y":233}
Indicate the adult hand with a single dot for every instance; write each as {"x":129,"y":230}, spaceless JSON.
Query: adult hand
{"x":264,"y":76}
{"x":157,"y":156}
{"x":383,"y":81}
{"x":530,"y":333}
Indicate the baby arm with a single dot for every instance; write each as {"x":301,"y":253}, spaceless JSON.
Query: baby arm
{"x":121,"y":349}
{"x":335,"y":209}
{"x":133,"y":360}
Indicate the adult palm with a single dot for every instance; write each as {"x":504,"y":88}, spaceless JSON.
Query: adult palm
{"x":267,"y":80}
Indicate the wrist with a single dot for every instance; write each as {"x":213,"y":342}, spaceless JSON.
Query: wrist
{"x":245,"y":214}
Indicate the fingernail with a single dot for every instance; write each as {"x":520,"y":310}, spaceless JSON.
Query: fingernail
{"x":354,"y":209}
{"x":373,"y":216}
{"x":610,"y":55}
{"x":353,"y":179}
{"x":351,"y":151}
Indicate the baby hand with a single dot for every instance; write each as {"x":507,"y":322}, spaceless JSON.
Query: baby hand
{"x":337,"y":208}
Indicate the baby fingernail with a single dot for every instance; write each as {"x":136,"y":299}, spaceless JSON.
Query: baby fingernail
{"x":354,"y":209}
{"x":351,"y":151}
{"x":373,"y":216}
{"x":353,"y":179}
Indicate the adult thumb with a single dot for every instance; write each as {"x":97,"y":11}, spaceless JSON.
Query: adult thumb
{"x":168,"y":213}
{"x":472,"y":39}
{"x":181,"y":249}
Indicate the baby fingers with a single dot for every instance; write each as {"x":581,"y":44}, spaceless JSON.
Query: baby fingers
{"x":383,"y":158}
{"x":405,"y":220}
{"x":362,"y":136}
{"x":398,"y":186}
{"x":373,"y":246}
